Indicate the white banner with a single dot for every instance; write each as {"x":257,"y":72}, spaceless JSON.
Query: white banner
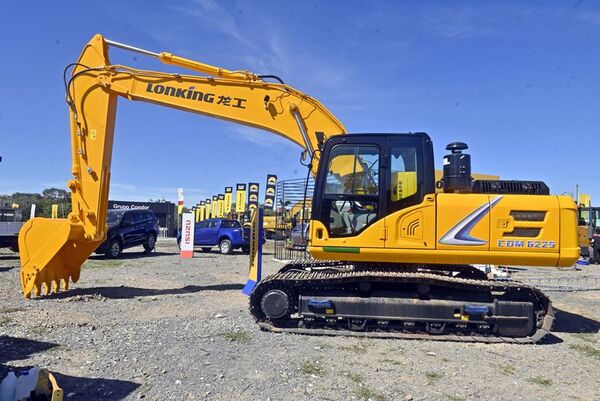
{"x":187,"y":236}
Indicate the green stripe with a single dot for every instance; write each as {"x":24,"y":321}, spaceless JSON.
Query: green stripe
{"x":341,"y":249}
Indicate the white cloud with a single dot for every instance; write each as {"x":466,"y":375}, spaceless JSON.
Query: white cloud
{"x":126,"y":191}
{"x":211,"y":14}
{"x":259,"y":137}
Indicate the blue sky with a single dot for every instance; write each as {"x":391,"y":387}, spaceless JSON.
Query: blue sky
{"x":518,"y":81}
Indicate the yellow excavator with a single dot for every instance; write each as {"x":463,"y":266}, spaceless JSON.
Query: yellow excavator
{"x":391,"y":256}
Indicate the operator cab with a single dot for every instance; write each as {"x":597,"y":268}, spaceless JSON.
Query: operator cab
{"x":365,"y":177}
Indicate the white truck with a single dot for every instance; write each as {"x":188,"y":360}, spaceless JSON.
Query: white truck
{"x":10,"y":224}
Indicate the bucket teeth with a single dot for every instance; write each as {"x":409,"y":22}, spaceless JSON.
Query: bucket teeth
{"x":46,"y":286}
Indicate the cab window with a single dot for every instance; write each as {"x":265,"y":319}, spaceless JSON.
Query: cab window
{"x":351,"y":193}
{"x":404,"y":177}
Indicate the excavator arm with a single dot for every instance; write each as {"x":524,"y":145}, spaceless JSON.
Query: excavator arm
{"x":53,"y":250}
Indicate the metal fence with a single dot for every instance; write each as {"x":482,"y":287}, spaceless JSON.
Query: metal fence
{"x":293,"y":207}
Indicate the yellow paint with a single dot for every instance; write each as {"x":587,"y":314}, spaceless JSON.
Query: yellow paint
{"x":448,"y":210}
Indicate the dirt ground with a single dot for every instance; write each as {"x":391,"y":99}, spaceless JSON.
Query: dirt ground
{"x":161,"y":328}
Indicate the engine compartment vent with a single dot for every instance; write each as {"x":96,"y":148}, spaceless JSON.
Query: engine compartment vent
{"x":510,"y":187}
{"x":521,"y":215}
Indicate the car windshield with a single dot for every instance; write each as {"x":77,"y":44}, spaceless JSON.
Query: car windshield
{"x":230,"y":224}
{"x":113,"y":217}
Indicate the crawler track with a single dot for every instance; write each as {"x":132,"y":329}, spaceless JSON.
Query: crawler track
{"x":345,"y":279}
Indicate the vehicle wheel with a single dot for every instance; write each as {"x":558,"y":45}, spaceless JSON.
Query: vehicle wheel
{"x":114,"y":249}
{"x":150,"y":243}
{"x":205,"y":249}
{"x":14,"y":247}
{"x":225,"y":247}
{"x":246,"y":249}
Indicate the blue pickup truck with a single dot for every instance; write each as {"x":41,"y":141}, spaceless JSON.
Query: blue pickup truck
{"x":226,"y":234}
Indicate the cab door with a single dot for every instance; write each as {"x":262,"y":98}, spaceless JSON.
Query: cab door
{"x":411,"y":212}
{"x":200,"y":233}
{"x":349,"y":215}
{"x":211,"y":234}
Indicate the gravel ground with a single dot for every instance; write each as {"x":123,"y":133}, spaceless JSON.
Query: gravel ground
{"x":163,"y":328}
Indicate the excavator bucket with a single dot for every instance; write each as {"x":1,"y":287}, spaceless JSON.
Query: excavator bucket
{"x":52,"y":252}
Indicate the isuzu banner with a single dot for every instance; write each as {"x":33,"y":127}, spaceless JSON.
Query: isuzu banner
{"x":270,"y":191}
{"x":227,"y":201}
{"x":221,"y":205}
{"x":240,"y":198}
{"x":187,"y":235}
{"x":253,"y":196}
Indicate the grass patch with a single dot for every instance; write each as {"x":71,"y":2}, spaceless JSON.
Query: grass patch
{"x":310,"y":368}
{"x":507,"y":370}
{"x":323,"y":345}
{"x":540,"y":381}
{"x":38,"y":330}
{"x":355,"y":377}
{"x":392,"y":361}
{"x":586,"y":349}
{"x":432,"y":377}
{"x":102,"y":263}
{"x":587,"y":337}
{"x":366,"y":393}
{"x":4,"y":320}
{"x":12,"y":309}
{"x":357,"y":348}
{"x":238,"y":336}
{"x":445,"y":360}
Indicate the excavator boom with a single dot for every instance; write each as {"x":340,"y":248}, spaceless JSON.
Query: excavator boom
{"x":53,"y":250}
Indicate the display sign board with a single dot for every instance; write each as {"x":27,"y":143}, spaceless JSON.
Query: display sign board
{"x":187,"y":235}
{"x":208,"y":211}
{"x":179,"y":200}
{"x":215,"y":207}
{"x":227,"y":201}
{"x":270,"y":191}
{"x":220,"y":205}
{"x":202,"y":209}
{"x":253,"y":189}
{"x":240,"y":198}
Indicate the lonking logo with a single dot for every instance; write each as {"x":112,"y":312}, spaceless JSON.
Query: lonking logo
{"x":192,"y":94}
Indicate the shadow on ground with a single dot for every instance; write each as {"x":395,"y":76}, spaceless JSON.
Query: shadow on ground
{"x":132,"y":255}
{"x":9,"y":257}
{"x":75,"y":388}
{"x":124,"y":292}
{"x":7,"y":268}
{"x":567,"y":322}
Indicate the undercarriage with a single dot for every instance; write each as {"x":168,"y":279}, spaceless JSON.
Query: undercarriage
{"x":453,"y":302}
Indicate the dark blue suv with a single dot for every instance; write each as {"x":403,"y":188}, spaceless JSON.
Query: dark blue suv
{"x":129,"y":228}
